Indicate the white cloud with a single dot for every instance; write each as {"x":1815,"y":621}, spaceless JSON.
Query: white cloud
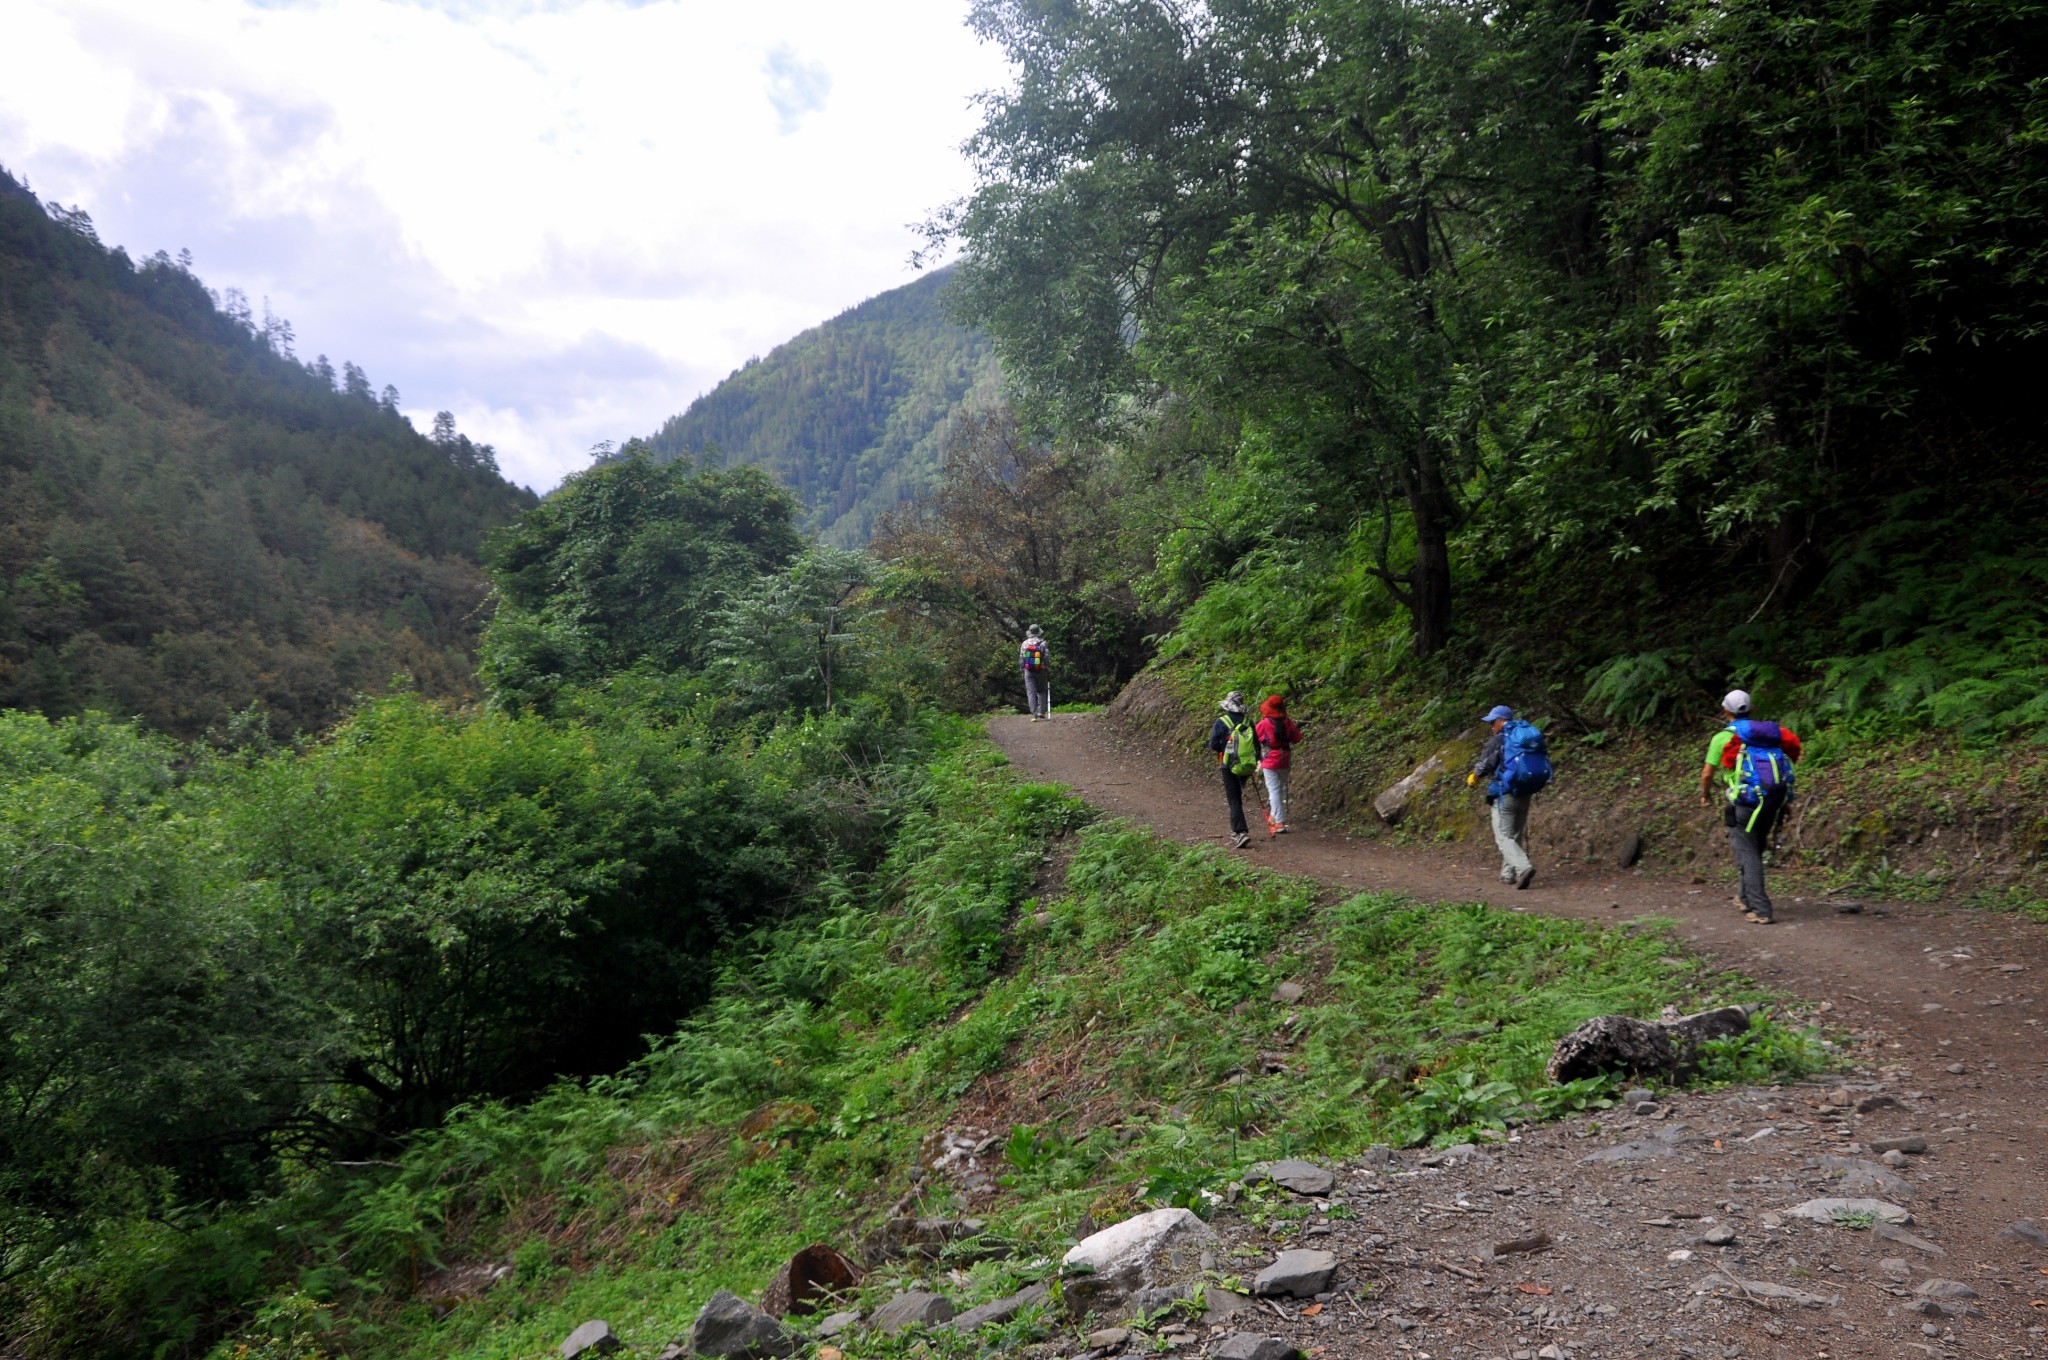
{"x":560,"y":220}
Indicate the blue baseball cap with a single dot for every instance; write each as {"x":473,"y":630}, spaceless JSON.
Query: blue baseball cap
{"x":1498,"y":712}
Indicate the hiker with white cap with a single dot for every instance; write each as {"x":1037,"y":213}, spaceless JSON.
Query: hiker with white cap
{"x":1515,"y":762}
{"x":1236,"y":746}
{"x":1036,"y":663}
{"x":1754,"y":759}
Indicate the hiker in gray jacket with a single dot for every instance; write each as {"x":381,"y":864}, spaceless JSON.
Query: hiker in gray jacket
{"x":1034,"y":660}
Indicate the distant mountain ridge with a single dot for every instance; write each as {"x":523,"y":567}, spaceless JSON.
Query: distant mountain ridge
{"x":193,"y":521}
{"x":851,"y":415}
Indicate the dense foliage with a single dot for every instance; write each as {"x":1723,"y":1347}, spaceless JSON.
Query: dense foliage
{"x":1623,"y":350}
{"x":851,"y":414}
{"x":192,"y":521}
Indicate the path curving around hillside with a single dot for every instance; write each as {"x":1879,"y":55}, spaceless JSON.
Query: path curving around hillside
{"x":1927,"y":989}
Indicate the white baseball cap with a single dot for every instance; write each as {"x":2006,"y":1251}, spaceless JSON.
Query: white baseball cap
{"x":1736,"y":701}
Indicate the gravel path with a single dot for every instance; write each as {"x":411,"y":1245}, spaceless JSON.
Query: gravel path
{"x":1942,"y":1002}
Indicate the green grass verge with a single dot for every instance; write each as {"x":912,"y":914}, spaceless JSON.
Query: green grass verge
{"x":1100,"y":997}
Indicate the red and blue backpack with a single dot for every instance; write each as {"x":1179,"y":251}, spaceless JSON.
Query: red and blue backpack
{"x":1763,"y":770}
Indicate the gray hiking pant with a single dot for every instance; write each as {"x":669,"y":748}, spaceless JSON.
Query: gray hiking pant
{"x":1511,"y":834}
{"x":1037,"y":694}
{"x":1276,"y":794}
{"x":1749,"y":843}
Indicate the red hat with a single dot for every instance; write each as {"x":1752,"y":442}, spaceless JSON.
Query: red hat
{"x":1274,"y":706}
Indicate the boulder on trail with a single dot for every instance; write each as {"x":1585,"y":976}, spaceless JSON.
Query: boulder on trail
{"x":1834,"y":1210}
{"x":1001,"y":1310}
{"x":1391,"y":804}
{"x":1296,"y":1274}
{"x":1305,"y":1178}
{"x":592,"y":1338}
{"x":1251,"y":1346}
{"x":733,"y":1329}
{"x":1159,"y":1249}
{"x":808,"y":1279}
{"x":1622,"y":1043}
{"x":912,"y":1308}
{"x":2024,"y":1230}
{"x":1629,"y":851}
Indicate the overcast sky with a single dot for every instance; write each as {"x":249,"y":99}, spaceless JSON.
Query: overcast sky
{"x":561,"y":219}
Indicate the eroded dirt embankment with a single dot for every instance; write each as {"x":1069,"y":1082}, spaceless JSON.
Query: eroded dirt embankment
{"x":1919,"y":822}
{"x":1939,"y":1006}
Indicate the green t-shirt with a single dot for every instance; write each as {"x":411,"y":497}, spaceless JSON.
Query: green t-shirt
{"x":1717,"y":754}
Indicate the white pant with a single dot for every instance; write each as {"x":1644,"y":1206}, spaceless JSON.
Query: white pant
{"x":1276,"y":793}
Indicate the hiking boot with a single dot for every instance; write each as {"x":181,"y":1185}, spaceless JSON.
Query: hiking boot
{"x":1282,"y":829}
{"x":1240,"y":840}
{"x":1525,"y":878}
{"x":1758,"y":918}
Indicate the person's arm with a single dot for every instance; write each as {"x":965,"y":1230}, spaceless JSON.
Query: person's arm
{"x":1719,"y":758}
{"x":1219,"y":735}
{"x":1489,"y":757}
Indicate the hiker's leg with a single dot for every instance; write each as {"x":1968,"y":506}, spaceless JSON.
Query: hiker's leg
{"x":1510,"y":824}
{"x":1285,"y":808}
{"x":1749,"y":862}
{"x":1034,"y":693}
{"x":1233,"y":794}
{"x":1276,"y":795}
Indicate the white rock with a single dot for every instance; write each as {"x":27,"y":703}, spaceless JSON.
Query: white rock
{"x":1153,"y":1250}
{"x":1828,"y":1210}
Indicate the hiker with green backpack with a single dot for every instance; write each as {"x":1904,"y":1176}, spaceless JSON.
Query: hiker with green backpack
{"x":1515,"y":762}
{"x":1236,"y":747}
{"x":1754,"y":759}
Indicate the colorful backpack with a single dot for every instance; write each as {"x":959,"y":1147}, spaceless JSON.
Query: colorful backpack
{"x":1241,"y":749}
{"x":1763,"y":770}
{"x":1033,"y":654}
{"x":1524,"y":761}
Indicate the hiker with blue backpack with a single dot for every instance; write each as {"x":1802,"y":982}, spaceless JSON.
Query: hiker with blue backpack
{"x":1236,"y":747}
{"x":1515,"y":762}
{"x":1034,"y":661}
{"x":1754,"y":759}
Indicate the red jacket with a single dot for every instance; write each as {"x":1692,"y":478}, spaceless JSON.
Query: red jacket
{"x":1276,"y":755}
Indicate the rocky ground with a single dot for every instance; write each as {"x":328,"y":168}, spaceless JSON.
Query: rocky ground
{"x":1670,"y":1232}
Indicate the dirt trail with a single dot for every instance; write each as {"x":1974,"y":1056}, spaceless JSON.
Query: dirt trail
{"x":1926,"y":989}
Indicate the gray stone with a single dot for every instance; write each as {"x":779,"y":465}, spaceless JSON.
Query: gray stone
{"x":1899,"y":1142}
{"x":1108,"y":1338}
{"x":1636,"y":1095}
{"x":1152,"y":1302}
{"x":1001,"y":1310}
{"x":1251,"y":1346}
{"x":1629,"y":851}
{"x":1219,"y":1303}
{"x":1893,"y":1159}
{"x":1392,"y":803}
{"x":1302,"y":1177}
{"x":1643,"y":1107}
{"x":912,"y":1308}
{"x":1621,"y":1043}
{"x":592,"y":1338}
{"x":1826,"y":1210}
{"x":1945,"y":1289}
{"x":1896,"y":1268}
{"x":839,"y":1322}
{"x":1296,"y":1274}
{"x":1720,"y":1235}
{"x":2025,"y":1230}
{"x":1944,"y":1309}
{"x":1287,"y":993}
{"x":1379,"y":1154}
{"x":733,"y":1329}
{"x":1878,"y":1101}
{"x":1798,"y":1298}
{"x":1892,"y":1232}
{"x":1160,"y":1248}
{"x":1868,"y":1181}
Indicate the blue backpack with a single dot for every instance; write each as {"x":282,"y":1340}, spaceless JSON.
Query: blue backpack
{"x":1763,"y":770}
{"x":1524,"y":761}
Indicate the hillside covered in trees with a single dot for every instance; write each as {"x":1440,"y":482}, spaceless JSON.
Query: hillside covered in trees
{"x":850,"y":415}
{"x":193,"y":521}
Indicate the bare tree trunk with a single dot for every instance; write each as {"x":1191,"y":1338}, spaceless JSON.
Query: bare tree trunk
{"x":1429,"y":600}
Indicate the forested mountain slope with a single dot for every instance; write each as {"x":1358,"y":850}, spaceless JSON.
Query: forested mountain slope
{"x":192,"y":520}
{"x":850,"y":414}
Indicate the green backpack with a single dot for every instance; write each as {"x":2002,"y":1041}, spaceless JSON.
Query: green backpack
{"x":1241,"y":751}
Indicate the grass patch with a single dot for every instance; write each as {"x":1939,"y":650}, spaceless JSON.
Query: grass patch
{"x":1099,"y":998}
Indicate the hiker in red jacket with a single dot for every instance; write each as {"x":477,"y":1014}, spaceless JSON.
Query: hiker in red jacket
{"x":1277,"y":735}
